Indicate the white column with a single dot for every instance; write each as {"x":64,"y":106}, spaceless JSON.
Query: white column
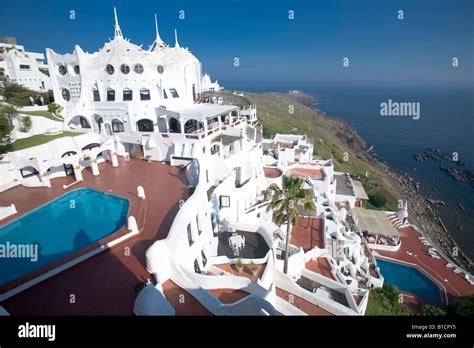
{"x":95,"y":168}
{"x":78,"y":173}
{"x":114,"y":160}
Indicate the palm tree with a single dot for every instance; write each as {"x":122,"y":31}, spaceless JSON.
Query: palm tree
{"x":285,"y":201}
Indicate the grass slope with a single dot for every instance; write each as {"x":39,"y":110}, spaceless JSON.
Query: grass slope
{"x":35,"y":140}
{"x":42,"y":113}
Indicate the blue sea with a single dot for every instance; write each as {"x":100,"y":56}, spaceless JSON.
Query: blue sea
{"x":446,"y":122}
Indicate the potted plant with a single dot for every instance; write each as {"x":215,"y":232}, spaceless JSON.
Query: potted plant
{"x":148,"y":158}
{"x":239,"y":265}
{"x":253,"y":268}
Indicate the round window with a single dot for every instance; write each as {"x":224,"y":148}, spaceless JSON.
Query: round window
{"x":65,"y":94}
{"x":160,"y":69}
{"x":76,"y":69}
{"x":110,"y":69}
{"x":138,"y":68}
{"x":124,"y":68}
{"x":62,"y":70}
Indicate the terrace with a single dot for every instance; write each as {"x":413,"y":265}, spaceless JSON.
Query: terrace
{"x":255,"y":246}
{"x":103,"y":284}
{"x":308,"y":233}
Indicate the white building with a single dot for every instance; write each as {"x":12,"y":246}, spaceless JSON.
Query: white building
{"x":208,"y":85}
{"x":24,"y":67}
{"x":132,"y":100}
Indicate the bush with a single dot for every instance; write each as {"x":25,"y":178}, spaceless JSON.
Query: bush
{"x":430,"y":310}
{"x":25,"y":124}
{"x":5,"y":129}
{"x":463,"y":305}
{"x":377,"y":199}
{"x":384,"y":301}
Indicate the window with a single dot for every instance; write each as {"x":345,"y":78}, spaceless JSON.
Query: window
{"x":145,"y":125}
{"x":124,"y":68}
{"x":190,"y":235}
{"x":96,"y":94}
{"x":174,"y":93}
{"x":144,"y":94}
{"x":127,"y":94}
{"x":62,"y":70}
{"x":197,"y":225}
{"x":138,"y":68}
{"x":84,"y":123}
{"x":66,"y":95}
{"x":90,"y":146}
{"x":69,"y":153}
{"x":110,"y":94}
{"x":110,"y":69}
{"x":164,"y":94}
{"x":77,"y":70}
{"x":117,"y":126}
{"x":204,"y":258}
{"x":26,"y":172}
{"x":197,"y":269}
{"x":160,"y":69}
{"x":24,"y":67}
{"x":224,"y":201}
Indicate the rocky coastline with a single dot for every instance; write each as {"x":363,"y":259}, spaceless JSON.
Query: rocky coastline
{"x":422,"y":212}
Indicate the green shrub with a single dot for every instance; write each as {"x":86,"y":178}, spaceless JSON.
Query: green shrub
{"x":377,"y":199}
{"x":25,"y":124}
{"x":463,"y":305}
{"x":430,"y":310}
{"x":384,"y":301}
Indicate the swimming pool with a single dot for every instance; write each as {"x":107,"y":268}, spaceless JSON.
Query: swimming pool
{"x":57,"y":229}
{"x":409,"y":279}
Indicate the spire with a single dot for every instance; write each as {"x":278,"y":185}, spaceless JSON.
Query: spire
{"x":158,"y":41}
{"x":176,"y":45}
{"x":118,"y":32}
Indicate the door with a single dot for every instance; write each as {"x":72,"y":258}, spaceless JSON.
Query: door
{"x":68,"y":169}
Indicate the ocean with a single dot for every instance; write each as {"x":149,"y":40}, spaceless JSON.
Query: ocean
{"x":446,"y":122}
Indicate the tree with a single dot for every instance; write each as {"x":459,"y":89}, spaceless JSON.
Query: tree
{"x":377,"y":199}
{"x":463,"y":305}
{"x":10,"y":112}
{"x":5,"y":129}
{"x":285,"y":201}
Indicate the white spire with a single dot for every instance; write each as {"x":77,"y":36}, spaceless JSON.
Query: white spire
{"x":176,"y":45}
{"x":118,"y":32}
{"x":158,"y":41}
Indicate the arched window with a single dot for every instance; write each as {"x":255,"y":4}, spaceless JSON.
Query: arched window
{"x":110,"y":94}
{"x":66,"y":95}
{"x":192,"y":126}
{"x":90,"y":146}
{"x":127,"y":94}
{"x":138,"y":68}
{"x":145,"y":125}
{"x":69,"y":153}
{"x":214,"y":149}
{"x":77,"y":70}
{"x":110,"y":69}
{"x":160,"y":69}
{"x":144,"y":94}
{"x":117,"y":126}
{"x":174,"y":125}
{"x":84,"y":122}
{"x":96,"y":94}
{"x":62,"y":69}
{"x":124,"y":68}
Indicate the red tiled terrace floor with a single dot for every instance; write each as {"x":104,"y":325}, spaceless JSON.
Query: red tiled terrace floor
{"x":103,"y":284}
{"x":308,"y":233}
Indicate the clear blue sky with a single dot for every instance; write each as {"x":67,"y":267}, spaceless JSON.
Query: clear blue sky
{"x":275,"y":52}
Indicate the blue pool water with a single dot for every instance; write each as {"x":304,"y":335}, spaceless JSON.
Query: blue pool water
{"x":409,"y":279}
{"x":60,"y":227}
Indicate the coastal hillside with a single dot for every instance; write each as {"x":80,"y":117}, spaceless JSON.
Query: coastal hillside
{"x":293,"y":113}
{"x":336,"y":138}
